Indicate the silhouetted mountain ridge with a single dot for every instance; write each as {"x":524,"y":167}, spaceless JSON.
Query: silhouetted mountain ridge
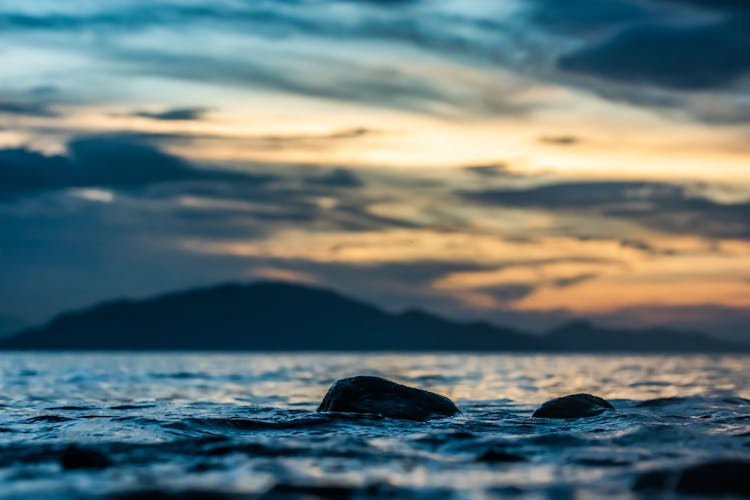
{"x":277,"y":316}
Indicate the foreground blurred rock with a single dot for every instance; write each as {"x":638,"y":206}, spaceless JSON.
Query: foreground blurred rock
{"x":573,"y":406}
{"x":378,"y":396}
{"x":719,"y":478}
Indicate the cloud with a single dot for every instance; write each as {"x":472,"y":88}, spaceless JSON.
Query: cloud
{"x":646,"y":247}
{"x":674,"y":57}
{"x":306,"y":141}
{"x":23,"y":171}
{"x":667,"y":207}
{"x":27,"y":109}
{"x":678,"y":57}
{"x":339,"y":177}
{"x":506,"y":294}
{"x":585,"y":16}
{"x":340,"y":80}
{"x":723,"y":6}
{"x":294,"y":48}
{"x":101,"y":161}
{"x":317,"y":65}
{"x":491,"y":170}
{"x":257,"y":142}
{"x":573,"y":280}
{"x":174,"y":114}
{"x":561,"y":140}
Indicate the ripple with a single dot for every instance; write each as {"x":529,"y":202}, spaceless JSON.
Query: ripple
{"x":239,"y":426}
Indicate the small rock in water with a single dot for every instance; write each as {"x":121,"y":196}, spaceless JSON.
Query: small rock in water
{"x":375,"y":395}
{"x":573,"y":406}
{"x":81,"y":458}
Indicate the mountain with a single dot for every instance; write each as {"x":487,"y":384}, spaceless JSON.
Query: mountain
{"x":261,"y":316}
{"x":288,"y":317}
{"x":582,"y":336}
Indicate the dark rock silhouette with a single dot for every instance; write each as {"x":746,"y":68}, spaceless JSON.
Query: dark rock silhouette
{"x":262,"y":316}
{"x":719,"y":478}
{"x":728,"y":477}
{"x":74,"y":457}
{"x":378,"y":396}
{"x":573,"y":406}
{"x":270,"y":316}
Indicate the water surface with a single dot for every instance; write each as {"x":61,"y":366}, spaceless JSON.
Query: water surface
{"x":246,"y":424}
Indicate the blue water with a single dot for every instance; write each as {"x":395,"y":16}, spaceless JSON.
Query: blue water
{"x":247,"y":424}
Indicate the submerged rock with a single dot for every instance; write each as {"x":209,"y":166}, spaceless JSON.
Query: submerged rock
{"x":573,"y":406}
{"x":81,"y":458}
{"x":375,"y":395}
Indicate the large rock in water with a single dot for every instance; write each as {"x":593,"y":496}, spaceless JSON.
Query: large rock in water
{"x":573,"y":406}
{"x":375,"y":395}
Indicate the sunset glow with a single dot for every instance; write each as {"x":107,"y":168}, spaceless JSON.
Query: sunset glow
{"x":480,"y":159}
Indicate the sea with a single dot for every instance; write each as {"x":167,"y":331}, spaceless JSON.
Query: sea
{"x":220,"y":426}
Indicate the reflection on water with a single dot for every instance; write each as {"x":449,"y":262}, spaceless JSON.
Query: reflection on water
{"x":245,"y":423}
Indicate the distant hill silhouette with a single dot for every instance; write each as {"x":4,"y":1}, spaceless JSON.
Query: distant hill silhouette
{"x":288,"y":317}
{"x":582,"y":336}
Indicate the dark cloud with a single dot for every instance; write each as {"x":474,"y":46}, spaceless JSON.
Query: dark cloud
{"x":723,"y":6}
{"x":678,"y":57}
{"x":646,"y":247}
{"x":27,"y":109}
{"x":305,"y":141}
{"x":261,"y":142}
{"x":573,"y":280}
{"x":339,"y":177}
{"x":174,"y":114}
{"x":490,"y":170}
{"x":585,"y":16}
{"x":561,"y":140}
{"x":666,"y":207}
{"x":23,"y":171}
{"x":653,"y":54}
{"x":101,"y":161}
{"x":506,"y":294}
{"x":44,"y":91}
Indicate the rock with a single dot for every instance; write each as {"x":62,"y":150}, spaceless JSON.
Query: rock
{"x":573,"y":406}
{"x":725,"y":477}
{"x":81,"y":458}
{"x":375,"y":395}
{"x":719,"y":478}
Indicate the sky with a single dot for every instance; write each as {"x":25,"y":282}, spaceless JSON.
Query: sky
{"x":521,"y":161}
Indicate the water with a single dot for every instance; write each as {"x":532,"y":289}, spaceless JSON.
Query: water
{"x":246,"y":424}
